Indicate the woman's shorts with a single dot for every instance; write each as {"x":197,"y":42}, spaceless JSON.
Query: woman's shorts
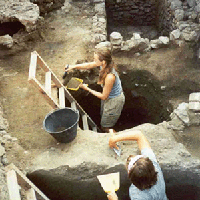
{"x":111,"y":110}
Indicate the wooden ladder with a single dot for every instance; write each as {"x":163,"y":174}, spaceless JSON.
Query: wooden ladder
{"x":37,"y":62}
{"x":20,"y":187}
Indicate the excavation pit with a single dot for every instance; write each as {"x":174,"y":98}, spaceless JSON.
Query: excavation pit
{"x":145,"y":100}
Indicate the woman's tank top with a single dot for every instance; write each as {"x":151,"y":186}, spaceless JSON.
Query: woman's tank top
{"x":117,"y":86}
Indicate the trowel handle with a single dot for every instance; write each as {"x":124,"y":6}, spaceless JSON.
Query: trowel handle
{"x":67,"y":66}
{"x":112,"y":196}
{"x":65,"y":74}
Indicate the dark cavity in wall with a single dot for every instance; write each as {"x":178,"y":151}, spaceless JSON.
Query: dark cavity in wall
{"x":128,"y":17}
{"x":145,"y":101}
{"x":11,"y":28}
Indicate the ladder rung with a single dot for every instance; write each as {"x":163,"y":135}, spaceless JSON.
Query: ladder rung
{"x":13,"y":186}
{"x":30,"y":194}
{"x":62,"y":97}
{"x":48,"y":82}
{"x":85,"y":122}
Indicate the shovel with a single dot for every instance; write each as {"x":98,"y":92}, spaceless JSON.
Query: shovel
{"x":109,"y":182}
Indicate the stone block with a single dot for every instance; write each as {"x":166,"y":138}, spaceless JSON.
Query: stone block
{"x":194,"y":118}
{"x":164,"y":39}
{"x":194,"y":102}
{"x":195,"y":106}
{"x":175,"y":34}
{"x":100,"y":8}
{"x":116,"y":38}
{"x":6,"y":41}
{"x":195,"y":96}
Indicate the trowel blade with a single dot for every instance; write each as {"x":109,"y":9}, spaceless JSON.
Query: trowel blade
{"x":117,"y":151}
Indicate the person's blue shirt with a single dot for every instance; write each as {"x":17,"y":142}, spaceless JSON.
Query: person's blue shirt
{"x":117,"y":86}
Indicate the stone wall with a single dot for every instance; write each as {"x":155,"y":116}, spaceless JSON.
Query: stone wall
{"x":167,"y":15}
{"x":131,"y":12}
{"x":47,"y":6}
{"x":174,"y":13}
{"x":99,"y":22}
{"x":165,"y":22}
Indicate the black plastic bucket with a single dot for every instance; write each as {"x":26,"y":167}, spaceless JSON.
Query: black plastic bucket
{"x":62,"y":124}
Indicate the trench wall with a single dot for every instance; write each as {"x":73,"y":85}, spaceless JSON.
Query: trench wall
{"x":63,"y":183}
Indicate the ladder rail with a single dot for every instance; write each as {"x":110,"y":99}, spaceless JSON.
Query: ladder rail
{"x":20,"y":177}
{"x":13,"y":187}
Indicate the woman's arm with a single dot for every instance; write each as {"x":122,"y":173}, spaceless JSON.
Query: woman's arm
{"x":109,"y":81}
{"x":89,"y":65}
{"x":130,"y":135}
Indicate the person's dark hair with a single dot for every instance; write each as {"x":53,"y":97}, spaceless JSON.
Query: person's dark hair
{"x":104,"y":53}
{"x":143,"y":174}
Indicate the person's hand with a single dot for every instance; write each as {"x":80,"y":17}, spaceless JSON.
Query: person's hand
{"x":84,"y":86}
{"x":112,"y":196}
{"x":112,"y":143}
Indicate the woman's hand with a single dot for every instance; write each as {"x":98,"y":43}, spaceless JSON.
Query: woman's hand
{"x":112,"y":196}
{"x":84,"y":86}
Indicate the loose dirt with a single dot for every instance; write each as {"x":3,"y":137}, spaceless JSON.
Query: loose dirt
{"x":66,"y":38}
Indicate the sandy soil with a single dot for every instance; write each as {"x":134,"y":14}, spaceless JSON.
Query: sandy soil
{"x":66,"y":38}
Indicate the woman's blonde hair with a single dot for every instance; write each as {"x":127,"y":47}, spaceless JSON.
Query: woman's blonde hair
{"x":104,"y":53}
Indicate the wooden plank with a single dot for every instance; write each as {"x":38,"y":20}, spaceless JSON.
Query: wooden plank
{"x":30,"y":194}
{"x":62,"y":97}
{"x":13,"y":187}
{"x":94,"y":129}
{"x":73,"y":105}
{"x":30,"y":184}
{"x":69,"y":96}
{"x":41,"y":89}
{"x":85,"y":123}
{"x":48,"y":82}
{"x":33,"y":64}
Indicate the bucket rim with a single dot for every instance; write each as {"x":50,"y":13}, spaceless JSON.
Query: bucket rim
{"x":55,"y":110}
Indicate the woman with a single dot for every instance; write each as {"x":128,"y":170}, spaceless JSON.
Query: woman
{"x":112,"y":95}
